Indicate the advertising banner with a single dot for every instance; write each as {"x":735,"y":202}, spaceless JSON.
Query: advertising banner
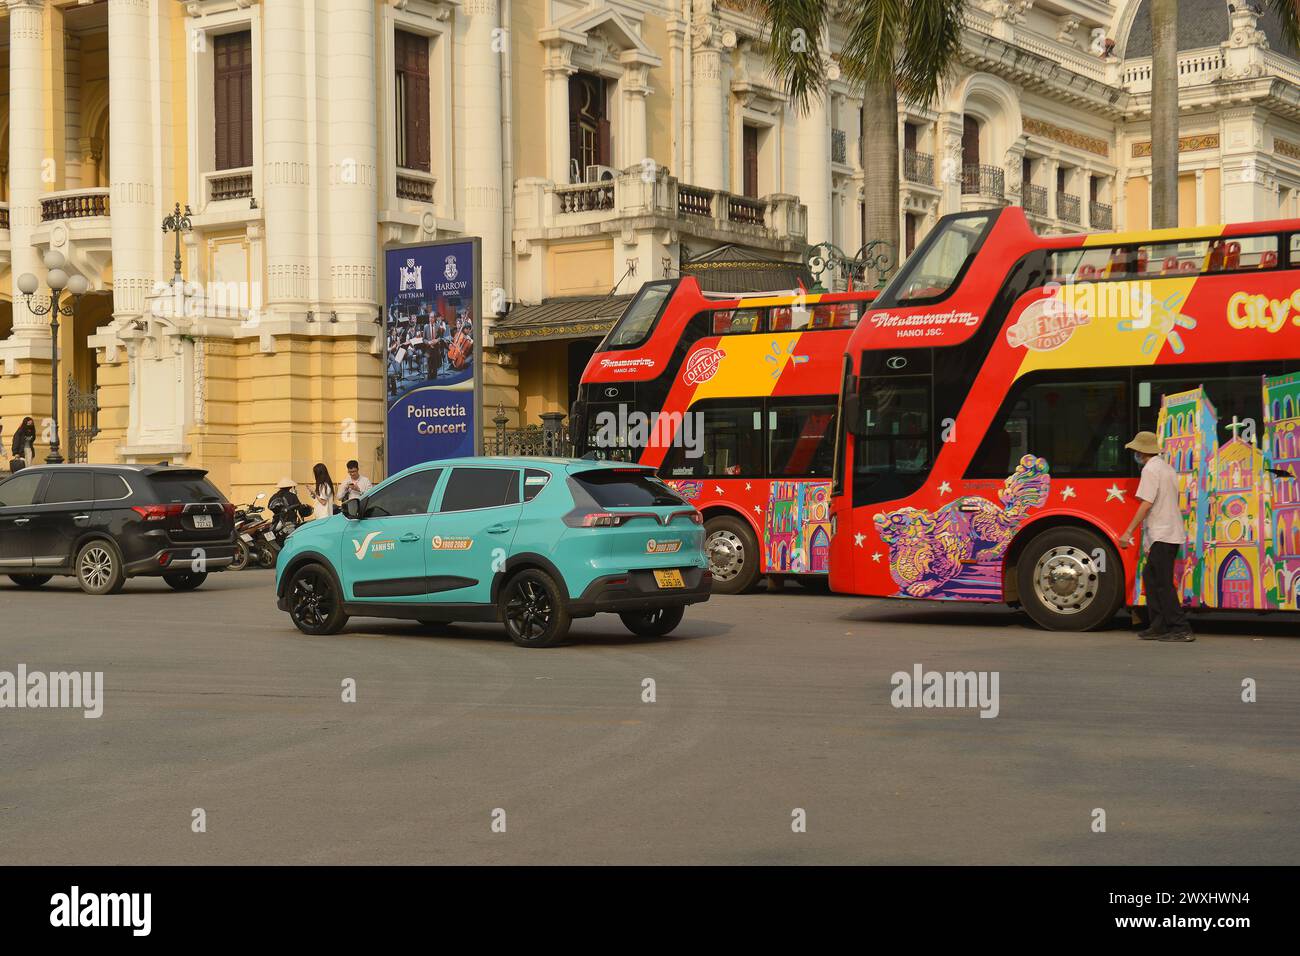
{"x":433,"y":327}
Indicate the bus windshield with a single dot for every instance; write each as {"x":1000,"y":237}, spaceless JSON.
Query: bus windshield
{"x":931,"y":272}
{"x":639,"y":319}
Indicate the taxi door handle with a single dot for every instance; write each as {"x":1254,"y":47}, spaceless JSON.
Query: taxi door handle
{"x":410,"y":536}
{"x":22,"y":521}
{"x":498,"y":529}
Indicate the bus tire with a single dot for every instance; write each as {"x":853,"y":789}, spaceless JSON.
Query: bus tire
{"x":734,"y":556}
{"x":1062,"y":584}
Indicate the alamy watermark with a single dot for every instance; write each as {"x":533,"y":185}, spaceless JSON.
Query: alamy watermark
{"x":628,"y":428}
{"x":53,"y":689}
{"x":946,"y":689}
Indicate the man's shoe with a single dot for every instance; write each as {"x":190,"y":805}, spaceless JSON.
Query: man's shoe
{"x":1179,"y":637}
{"x":1151,"y":634}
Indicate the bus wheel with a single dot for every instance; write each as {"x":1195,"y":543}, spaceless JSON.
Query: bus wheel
{"x":733,"y":555}
{"x":1070,"y":579}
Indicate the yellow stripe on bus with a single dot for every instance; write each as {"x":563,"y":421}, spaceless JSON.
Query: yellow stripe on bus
{"x":752,"y":365}
{"x":1178,"y":234}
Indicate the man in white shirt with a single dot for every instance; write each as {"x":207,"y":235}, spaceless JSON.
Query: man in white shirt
{"x":1162,"y":520}
{"x":356,"y":485}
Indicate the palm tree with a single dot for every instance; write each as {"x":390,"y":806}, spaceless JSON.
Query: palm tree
{"x":894,"y":48}
{"x":1164,"y":99}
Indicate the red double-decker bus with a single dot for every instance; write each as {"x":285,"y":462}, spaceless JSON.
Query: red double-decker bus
{"x":990,"y":391}
{"x":733,"y":400}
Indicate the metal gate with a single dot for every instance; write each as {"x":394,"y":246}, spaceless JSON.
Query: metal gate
{"x":83,"y":420}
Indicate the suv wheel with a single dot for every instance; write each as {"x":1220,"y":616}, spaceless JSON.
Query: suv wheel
{"x":655,"y":623}
{"x":185,"y":580}
{"x":315,"y":604}
{"x":533,"y":609}
{"x":99,"y":567}
{"x":30,"y":580}
{"x":733,"y":555}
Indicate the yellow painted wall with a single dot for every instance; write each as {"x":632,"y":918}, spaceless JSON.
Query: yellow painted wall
{"x":659,"y":108}
{"x":580,"y":268}
{"x":543,"y":380}
{"x":528,"y":89}
{"x":1137,"y":207}
{"x":1187,"y":200}
{"x":1213,"y":198}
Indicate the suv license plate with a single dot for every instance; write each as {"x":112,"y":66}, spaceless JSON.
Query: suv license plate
{"x":203,"y":521}
{"x":671,"y":578}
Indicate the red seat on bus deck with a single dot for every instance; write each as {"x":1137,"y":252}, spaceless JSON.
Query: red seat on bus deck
{"x":1268,"y":260}
{"x":1142,"y":258}
{"x":1087,"y":272}
{"x":1170,"y":265}
{"x":1188,"y":266}
{"x":1233,"y":259}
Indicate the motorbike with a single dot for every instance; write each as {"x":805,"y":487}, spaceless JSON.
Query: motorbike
{"x":254,"y":538}
{"x":287,"y":514}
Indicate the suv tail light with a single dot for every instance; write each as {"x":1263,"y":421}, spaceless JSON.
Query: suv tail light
{"x":158,"y":512}
{"x":230,"y":511}
{"x":601,"y":519}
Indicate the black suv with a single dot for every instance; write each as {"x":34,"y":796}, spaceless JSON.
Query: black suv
{"x":106,"y":523}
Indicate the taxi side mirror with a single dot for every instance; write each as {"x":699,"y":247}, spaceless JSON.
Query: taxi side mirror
{"x":353,"y":508}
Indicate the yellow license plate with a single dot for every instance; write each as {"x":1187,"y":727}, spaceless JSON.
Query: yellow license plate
{"x":669,"y":579}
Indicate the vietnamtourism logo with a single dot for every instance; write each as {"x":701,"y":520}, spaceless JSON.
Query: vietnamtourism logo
{"x":702,"y":366}
{"x":451,"y":544}
{"x":1046,"y":325}
{"x":662,"y":547}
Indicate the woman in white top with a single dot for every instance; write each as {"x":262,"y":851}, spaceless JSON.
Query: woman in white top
{"x":322,"y":493}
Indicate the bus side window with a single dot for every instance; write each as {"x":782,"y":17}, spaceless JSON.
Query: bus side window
{"x":801,"y":441}
{"x":725,"y":440}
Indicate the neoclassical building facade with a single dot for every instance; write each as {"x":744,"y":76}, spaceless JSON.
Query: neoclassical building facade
{"x":591,"y":144}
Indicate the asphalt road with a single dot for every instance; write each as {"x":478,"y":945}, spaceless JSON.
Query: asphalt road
{"x":764,"y":704}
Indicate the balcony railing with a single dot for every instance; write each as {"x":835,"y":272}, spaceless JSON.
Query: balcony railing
{"x":587,"y":197}
{"x":75,"y":204}
{"x":839,"y":146}
{"x":235,"y":184}
{"x":693,"y":201}
{"x":746,"y":211}
{"x":1068,"y":208}
{"x":918,"y":167}
{"x":1100,"y":216}
{"x":988,"y":181}
{"x":1035,"y":199}
{"x":418,"y":188}
{"x":4,"y":215}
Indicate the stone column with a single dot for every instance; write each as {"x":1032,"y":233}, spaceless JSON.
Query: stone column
{"x":479,"y":114}
{"x":635,"y":88}
{"x":352,"y":197}
{"x":707,"y":127}
{"x":72,"y":110}
{"x":286,"y":165}
{"x":133,"y":208}
{"x":557,"y":71}
{"x":26,"y":147}
{"x":814,"y":135}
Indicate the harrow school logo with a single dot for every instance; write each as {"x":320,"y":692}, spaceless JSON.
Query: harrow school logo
{"x":411,"y":276}
{"x":451,"y":544}
{"x":1045,"y":325}
{"x":662,"y":547}
{"x":702,"y":366}
{"x":449,"y":268}
{"x":370,"y":546}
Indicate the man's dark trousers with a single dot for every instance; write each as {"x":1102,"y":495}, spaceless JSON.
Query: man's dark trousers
{"x":1162,"y":597}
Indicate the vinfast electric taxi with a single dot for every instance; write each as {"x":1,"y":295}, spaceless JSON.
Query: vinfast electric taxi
{"x":529,"y":542}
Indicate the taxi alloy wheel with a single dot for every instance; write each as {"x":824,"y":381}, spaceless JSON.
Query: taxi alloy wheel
{"x":533,"y":610}
{"x":314,"y":604}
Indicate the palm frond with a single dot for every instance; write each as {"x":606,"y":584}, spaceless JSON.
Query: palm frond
{"x":793,"y":50}
{"x":1288,"y":15}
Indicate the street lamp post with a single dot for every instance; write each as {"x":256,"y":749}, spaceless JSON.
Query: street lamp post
{"x":178,"y":222}
{"x":58,"y":280}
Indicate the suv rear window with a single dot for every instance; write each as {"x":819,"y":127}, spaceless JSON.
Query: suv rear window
{"x":615,"y":488}
{"x":184,"y":488}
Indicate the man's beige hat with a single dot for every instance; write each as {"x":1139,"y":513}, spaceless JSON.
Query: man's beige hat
{"x":286,"y":483}
{"x":1145,"y":443}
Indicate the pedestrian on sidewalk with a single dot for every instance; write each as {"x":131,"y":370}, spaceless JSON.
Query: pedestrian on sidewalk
{"x":1164,"y":534}
{"x":24,"y":446}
